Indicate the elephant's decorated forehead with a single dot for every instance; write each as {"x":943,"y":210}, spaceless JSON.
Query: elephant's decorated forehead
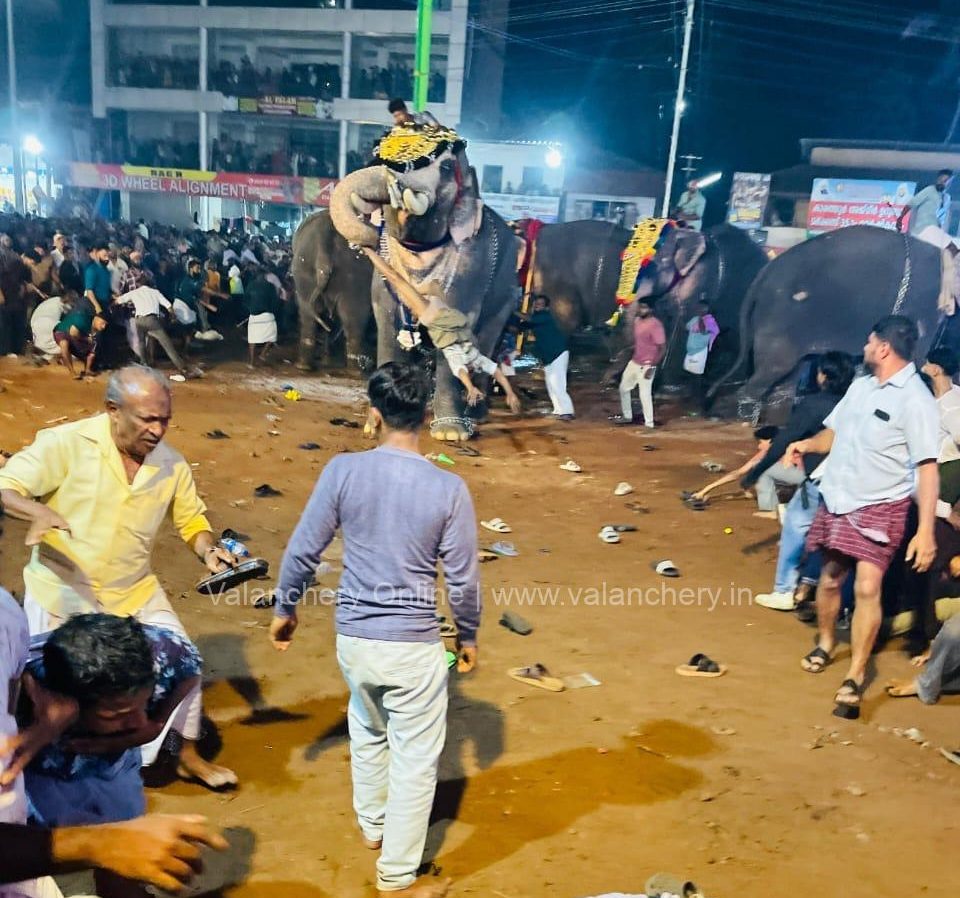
{"x":409,"y":147}
{"x":648,"y":236}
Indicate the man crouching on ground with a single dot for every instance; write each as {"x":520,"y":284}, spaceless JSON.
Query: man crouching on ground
{"x":398,"y":515}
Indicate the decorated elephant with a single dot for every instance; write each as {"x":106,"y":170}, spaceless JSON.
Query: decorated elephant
{"x":826,"y":294}
{"x":578,"y":265}
{"x":418,"y":205}
{"x":333,"y":287}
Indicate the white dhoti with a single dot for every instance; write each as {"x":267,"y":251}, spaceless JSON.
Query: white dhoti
{"x":262,"y":328}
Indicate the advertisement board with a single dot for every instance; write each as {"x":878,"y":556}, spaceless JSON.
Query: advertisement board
{"x":303,"y":107}
{"x":748,"y":200}
{"x":840,"y":203}
{"x":513,"y":206}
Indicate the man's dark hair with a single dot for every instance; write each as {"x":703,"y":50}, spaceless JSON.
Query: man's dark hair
{"x":544,"y":297}
{"x":946,"y":358}
{"x":95,"y":656}
{"x":945,"y":171}
{"x":900,"y":332}
{"x":838,"y":371}
{"x":400,"y":392}
{"x":396,"y":105}
{"x":766,"y":433}
{"x":99,"y":245}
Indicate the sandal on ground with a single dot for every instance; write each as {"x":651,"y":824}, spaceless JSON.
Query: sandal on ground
{"x":485,"y":555}
{"x":623,"y":489}
{"x":816,"y":660}
{"x":609,"y":535}
{"x":695,"y":504}
{"x":343,"y":422}
{"x":666,"y":568}
{"x":846,"y":708}
{"x":951,"y":754}
{"x":448,"y":629}
{"x":621,"y":528}
{"x":496,"y":525}
{"x":515,"y":623}
{"x":536,"y":675}
{"x":662,"y":884}
{"x":505,"y":548}
{"x":701,"y":665}
{"x":217,"y":435}
{"x":571,"y":466}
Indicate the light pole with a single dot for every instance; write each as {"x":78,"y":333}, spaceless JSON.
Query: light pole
{"x":678,"y":107}
{"x":421,"y":68}
{"x":18,"y":195}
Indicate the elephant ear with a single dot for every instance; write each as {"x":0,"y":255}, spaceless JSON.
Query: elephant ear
{"x":690,"y":246}
{"x":468,"y":210}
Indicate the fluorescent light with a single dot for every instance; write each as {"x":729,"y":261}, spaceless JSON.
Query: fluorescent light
{"x":709,"y":179}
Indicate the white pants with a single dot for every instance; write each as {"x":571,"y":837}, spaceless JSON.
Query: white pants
{"x":398,"y":723}
{"x":157,"y":612}
{"x":636,"y":376}
{"x":555,"y":375}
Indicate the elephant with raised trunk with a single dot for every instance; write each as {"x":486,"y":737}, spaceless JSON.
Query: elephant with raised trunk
{"x":333,"y":285}
{"x":418,"y":205}
{"x":826,"y":294}
{"x":577,"y":264}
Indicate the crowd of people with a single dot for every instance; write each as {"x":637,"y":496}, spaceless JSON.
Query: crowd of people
{"x":317,"y":81}
{"x":393,"y":80}
{"x":91,"y":296}
{"x":167,"y":72}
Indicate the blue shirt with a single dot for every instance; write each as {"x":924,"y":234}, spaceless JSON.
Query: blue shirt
{"x":882,"y":432}
{"x":96,"y":277}
{"x":399,"y":515}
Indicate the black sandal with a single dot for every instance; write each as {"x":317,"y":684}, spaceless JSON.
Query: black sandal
{"x":818,"y":659}
{"x":844,"y":709}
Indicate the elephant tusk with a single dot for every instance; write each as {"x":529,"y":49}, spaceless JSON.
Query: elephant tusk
{"x":415,"y":203}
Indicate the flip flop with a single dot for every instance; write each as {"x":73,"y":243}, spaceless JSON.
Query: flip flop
{"x":536,"y":675}
{"x":515,"y":623}
{"x":623,"y":489}
{"x":662,"y":884}
{"x":817,"y":660}
{"x":714,"y":467}
{"x":609,"y":535}
{"x":235,"y":534}
{"x":505,"y":548}
{"x":496,"y":525}
{"x":649,"y":447}
{"x":637,"y":507}
{"x":217,"y":435}
{"x":849,"y":710}
{"x":695,"y":504}
{"x":343,"y":422}
{"x":701,"y":665}
{"x":310,"y":447}
{"x":178,"y":378}
{"x":232,"y":577}
{"x":265,"y":491}
{"x":621,"y":528}
{"x":485,"y":555}
{"x":666,"y":568}
{"x":468,"y":450}
{"x":952,"y":755}
{"x":448,"y":629}
{"x":571,"y":466}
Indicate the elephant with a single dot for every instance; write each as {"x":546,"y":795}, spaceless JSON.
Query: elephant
{"x":332,"y":282}
{"x":826,"y":294}
{"x":436,"y":232}
{"x":577,"y":264}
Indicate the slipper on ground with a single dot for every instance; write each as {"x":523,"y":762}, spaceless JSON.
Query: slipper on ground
{"x":609,"y":535}
{"x":666,"y":568}
{"x":623,"y":489}
{"x":515,"y":623}
{"x":536,"y":675}
{"x":701,"y":665}
{"x":571,"y":466}
{"x":497,"y":525}
{"x":505,"y":548}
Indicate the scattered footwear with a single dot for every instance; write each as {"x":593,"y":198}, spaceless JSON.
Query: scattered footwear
{"x":468,"y":450}
{"x":952,"y":755}
{"x":660,"y":885}
{"x":515,"y":623}
{"x":622,"y":528}
{"x":505,"y":548}
{"x":636,"y":507}
{"x":696,"y":504}
{"x":847,"y":700}
{"x":816,"y":660}
{"x":623,"y":489}
{"x":571,"y":466}
{"x":536,"y":675}
{"x":701,"y":665}
{"x":343,"y":422}
{"x":265,"y":491}
{"x":666,"y":568}
{"x":448,"y":629}
{"x":620,"y":421}
{"x":178,"y":378}
{"x":232,"y":577}
{"x":777,"y":601}
{"x":309,"y":447}
{"x":217,"y":435}
{"x":714,"y":467}
{"x":609,"y":535}
{"x":649,"y":447}
{"x":485,"y":555}
{"x":496,"y":525}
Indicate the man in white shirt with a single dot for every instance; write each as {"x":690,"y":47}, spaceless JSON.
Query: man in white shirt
{"x":690,"y":207}
{"x":43,"y":322}
{"x":930,"y":207}
{"x":147,"y":322}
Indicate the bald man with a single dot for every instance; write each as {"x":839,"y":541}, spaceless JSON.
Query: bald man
{"x":95,"y":492}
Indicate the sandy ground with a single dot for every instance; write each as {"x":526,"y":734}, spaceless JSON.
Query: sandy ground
{"x":746,"y":784}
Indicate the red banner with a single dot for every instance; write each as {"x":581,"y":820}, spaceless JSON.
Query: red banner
{"x":188,"y":182}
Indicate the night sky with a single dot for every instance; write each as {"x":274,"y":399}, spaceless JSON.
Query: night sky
{"x":603,"y":72}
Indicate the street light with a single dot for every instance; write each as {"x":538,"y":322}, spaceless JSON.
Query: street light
{"x":709,"y":179}
{"x":553,"y":158}
{"x":32,"y":145}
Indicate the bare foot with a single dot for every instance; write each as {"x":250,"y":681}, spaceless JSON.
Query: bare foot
{"x":901,"y":688}
{"x":372,"y":844}
{"x":920,"y":660}
{"x":193,"y":767}
{"x":767,"y":515}
{"x":430,"y":890}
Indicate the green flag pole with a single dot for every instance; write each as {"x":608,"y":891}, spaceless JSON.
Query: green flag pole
{"x":421,"y":73}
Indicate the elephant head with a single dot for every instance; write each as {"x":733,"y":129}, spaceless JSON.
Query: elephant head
{"x":675,"y":259}
{"x":423,"y":200}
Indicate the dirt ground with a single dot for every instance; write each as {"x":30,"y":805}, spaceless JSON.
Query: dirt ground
{"x":745,"y":784}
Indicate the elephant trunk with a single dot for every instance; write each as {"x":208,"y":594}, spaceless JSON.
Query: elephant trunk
{"x":358,"y":191}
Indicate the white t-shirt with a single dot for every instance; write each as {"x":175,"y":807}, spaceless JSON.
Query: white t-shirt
{"x":14,"y":646}
{"x":949,"y":407}
{"x":44,"y":319}
{"x":145,"y":301}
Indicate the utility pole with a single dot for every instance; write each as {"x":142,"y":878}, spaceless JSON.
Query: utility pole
{"x":678,"y":107}
{"x":16,"y":150}
{"x":421,"y":69}
{"x":690,"y":167}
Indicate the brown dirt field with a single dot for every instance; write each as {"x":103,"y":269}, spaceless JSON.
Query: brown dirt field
{"x":746,"y":784}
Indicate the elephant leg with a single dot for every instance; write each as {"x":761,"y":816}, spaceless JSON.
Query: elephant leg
{"x":307,"y":309}
{"x":450,"y":420}
{"x":355,"y":322}
{"x":769,"y":372}
{"x":385,"y":314}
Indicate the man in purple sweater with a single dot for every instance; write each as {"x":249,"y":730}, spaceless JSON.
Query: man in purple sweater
{"x":398,"y":515}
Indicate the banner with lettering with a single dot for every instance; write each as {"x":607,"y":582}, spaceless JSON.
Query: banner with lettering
{"x":840,"y":203}
{"x":189,"y":182}
{"x":303,"y":107}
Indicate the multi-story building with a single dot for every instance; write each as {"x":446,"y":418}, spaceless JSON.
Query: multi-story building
{"x":299,"y":91}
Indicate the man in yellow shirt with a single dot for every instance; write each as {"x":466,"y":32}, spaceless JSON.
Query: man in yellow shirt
{"x":96,"y":492}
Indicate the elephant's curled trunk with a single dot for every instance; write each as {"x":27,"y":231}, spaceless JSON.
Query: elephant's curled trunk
{"x":366,"y":188}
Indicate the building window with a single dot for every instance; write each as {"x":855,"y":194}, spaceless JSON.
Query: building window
{"x":168,"y":60}
{"x":382,"y":68}
{"x":532,"y":179}
{"x":492,"y":179}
